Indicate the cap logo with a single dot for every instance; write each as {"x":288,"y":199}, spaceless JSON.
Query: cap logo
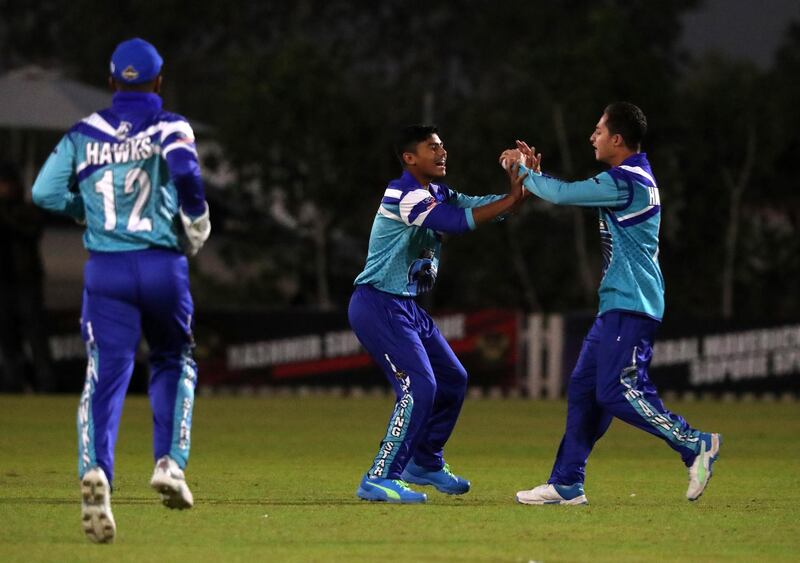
{"x":130,"y":73}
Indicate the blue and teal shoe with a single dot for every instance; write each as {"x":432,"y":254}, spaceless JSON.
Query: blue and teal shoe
{"x":700,"y":470}
{"x":443,"y":479}
{"x":388,"y":490}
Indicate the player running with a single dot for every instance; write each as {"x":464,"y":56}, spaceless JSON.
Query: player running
{"x":403,"y":260}
{"x":610,"y":378}
{"x":130,"y":173}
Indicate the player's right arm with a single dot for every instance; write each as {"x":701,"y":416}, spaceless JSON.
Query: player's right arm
{"x":600,"y":191}
{"x":608,"y":189}
{"x":55,"y":188}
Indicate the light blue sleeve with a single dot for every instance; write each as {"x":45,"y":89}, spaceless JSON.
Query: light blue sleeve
{"x":470,"y":201}
{"x":51,"y":190}
{"x":600,"y":191}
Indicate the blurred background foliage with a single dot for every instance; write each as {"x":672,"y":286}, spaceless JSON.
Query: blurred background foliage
{"x":303,"y":97}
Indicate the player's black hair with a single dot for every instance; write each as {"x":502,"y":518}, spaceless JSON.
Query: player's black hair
{"x":628,"y":121}
{"x":146,"y":87}
{"x":143,"y":87}
{"x":408,"y":137}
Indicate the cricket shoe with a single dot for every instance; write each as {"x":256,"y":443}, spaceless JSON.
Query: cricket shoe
{"x":388,"y":490}
{"x":443,"y":479}
{"x":553,"y":494}
{"x":700,"y":470}
{"x":169,"y":481}
{"x":96,"y":518}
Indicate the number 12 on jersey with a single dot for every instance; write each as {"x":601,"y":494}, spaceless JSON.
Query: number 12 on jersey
{"x":105,"y":187}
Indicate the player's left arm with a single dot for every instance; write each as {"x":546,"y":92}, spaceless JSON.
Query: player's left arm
{"x":56,"y":188}
{"x":420,"y":208}
{"x":469,"y":201}
{"x":179,"y":150}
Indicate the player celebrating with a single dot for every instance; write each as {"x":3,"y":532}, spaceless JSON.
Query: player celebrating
{"x":131,"y":174}
{"x":610,"y":378}
{"x":401,"y":337}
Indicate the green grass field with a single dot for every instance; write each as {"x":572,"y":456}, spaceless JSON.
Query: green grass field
{"x":274,"y":479}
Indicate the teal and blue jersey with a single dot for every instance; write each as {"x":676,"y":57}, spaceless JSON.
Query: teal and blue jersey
{"x":125,"y":171}
{"x":630,"y":215}
{"x":408,"y":229}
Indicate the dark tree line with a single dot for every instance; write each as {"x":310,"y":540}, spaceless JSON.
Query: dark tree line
{"x":304,"y":97}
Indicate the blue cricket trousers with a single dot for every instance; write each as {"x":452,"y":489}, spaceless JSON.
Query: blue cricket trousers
{"x":126,"y":294}
{"x":610,"y":380}
{"x":427,"y":377}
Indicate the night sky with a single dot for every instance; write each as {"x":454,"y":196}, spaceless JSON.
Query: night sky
{"x":740,"y":29}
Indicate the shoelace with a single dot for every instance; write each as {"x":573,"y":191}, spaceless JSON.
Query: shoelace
{"x":402,"y":484}
{"x":446,"y":469}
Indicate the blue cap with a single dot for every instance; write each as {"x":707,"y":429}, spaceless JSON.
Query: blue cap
{"x":135,"y":61}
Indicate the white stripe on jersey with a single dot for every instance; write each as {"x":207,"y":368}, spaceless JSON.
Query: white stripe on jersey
{"x":170,"y":127}
{"x":393,"y":193}
{"x":388,"y":214}
{"x":96,"y":120}
{"x":178,"y":145}
{"x":167,"y":196}
{"x":410,"y":200}
{"x":636,"y":213}
{"x":638,"y":170}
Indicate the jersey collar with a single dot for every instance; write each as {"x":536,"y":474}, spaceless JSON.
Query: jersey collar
{"x":637,"y":159}
{"x":407,"y":182}
{"x":125,"y":102}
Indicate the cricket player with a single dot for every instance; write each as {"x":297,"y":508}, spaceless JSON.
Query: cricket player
{"x":610,"y":378}
{"x":402,"y":262}
{"x":130,"y":173}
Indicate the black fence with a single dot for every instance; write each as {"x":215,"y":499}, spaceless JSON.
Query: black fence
{"x":714,"y":357}
{"x":237,"y":349}
{"x":309,"y":348}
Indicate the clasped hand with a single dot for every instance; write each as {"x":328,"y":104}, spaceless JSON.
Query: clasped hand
{"x":523,"y":154}
{"x":512,"y":159}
